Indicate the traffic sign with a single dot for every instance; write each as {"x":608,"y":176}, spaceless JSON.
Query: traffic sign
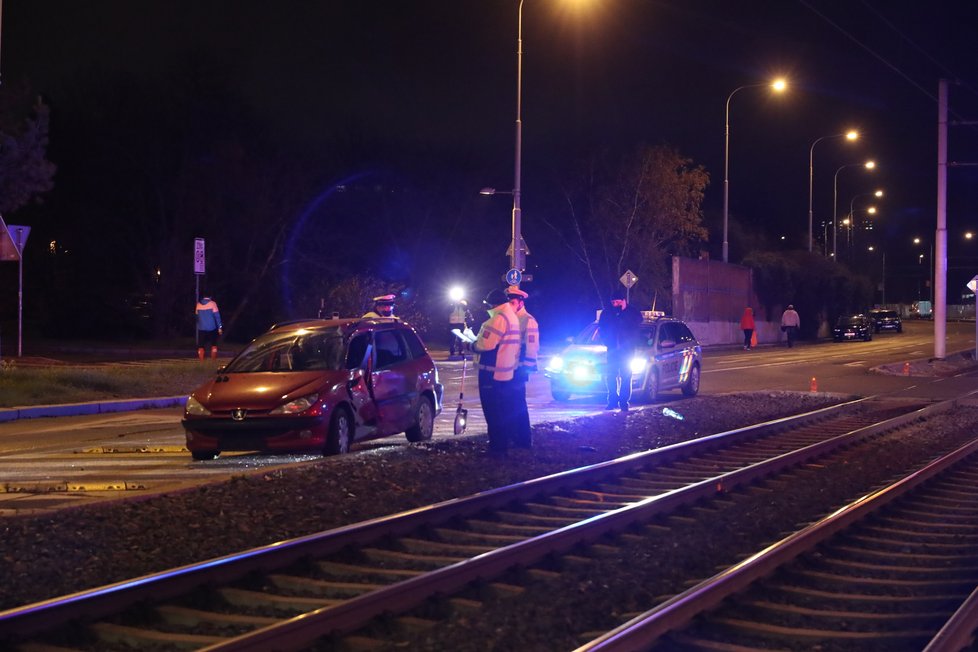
{"x":973,"y":284}
{"x":628,"y":279}
{"x":514,"y":276}
{"x":13,"y":237}
{"x":200,"y":259}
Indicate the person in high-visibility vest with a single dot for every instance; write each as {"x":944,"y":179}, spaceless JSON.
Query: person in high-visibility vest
{"x":498,"y":346}
{"x":456,"y":320}
{"x":209,"y":325}
{"x":383,"y":307}
{"x":529,"y":349}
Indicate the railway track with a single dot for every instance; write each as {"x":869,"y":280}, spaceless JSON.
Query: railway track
{"x":895,"y":570}
{"x":290,"y":594}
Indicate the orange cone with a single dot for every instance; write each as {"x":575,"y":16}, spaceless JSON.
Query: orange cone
{"x":200,"y":353}
{"x":814,"y":385}
{"x":213,"y":353}
{"x":906,"y":368}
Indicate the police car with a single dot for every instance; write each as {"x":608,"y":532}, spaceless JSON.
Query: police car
{"x":668,"y":357}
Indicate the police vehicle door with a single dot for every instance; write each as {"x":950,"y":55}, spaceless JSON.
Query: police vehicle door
{"x":669,"y":355}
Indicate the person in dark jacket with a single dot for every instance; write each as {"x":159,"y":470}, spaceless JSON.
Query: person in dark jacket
{"x":618,"y":329}
{"x":209,"y":326}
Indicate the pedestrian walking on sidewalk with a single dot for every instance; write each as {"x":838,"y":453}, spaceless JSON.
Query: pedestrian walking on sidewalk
{"x":209,"y":327}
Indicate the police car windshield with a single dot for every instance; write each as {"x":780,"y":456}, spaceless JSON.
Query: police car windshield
{"x":297,"y":350}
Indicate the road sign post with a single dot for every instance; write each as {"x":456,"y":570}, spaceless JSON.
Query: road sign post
{"x":973,"y":286}
{"x":200,"y":268}
{"x":628,"y":279}
{"x":12,"y":241}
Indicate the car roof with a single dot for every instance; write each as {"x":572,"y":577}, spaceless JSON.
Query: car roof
{"x":347,"y":324}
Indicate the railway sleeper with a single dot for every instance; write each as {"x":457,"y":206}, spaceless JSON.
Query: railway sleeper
{"x":441,"y":548}
{"x":138,"y":638}
{"x":339,"y":570}
{"x":259,"y":600}
{"x":187,"y":617}
{"x":501,"y":527}
{"x":412,"y":560}
{"x":468,"y":536}
{"x":322,"y":588}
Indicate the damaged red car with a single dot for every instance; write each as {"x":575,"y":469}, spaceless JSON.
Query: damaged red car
{"x":317,"y":385}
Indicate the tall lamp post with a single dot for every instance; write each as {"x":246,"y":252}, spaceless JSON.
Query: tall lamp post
{"x":778,"y":86}
{"x":869,"y":165}
{"x":852,"y":134}
{"x":517,"y":259}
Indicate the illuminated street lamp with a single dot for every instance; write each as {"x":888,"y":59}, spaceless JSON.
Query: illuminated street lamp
{"x":852,"y":134}
{"x":778,"y":86}
{"x":869,"y":165}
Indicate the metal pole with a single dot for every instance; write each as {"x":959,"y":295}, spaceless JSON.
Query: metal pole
{"x":726,"y":175}
{"x":516,"y":259}
{"x":835,"y":227}
{"x":939,"y":301}
{"x":883,"y":278}
{"x":20,"y":292}
{"x":811,"y":185}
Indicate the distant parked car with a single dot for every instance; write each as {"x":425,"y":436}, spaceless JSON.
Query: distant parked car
{"x":886,"y":320}
{"x":318,"y":385}
{"x":853,"y":327}
{"x":668,"y":357}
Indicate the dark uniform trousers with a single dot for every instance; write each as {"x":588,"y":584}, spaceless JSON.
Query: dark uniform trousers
{"x":619,"y":367}
{"x":522,"y":438}
{"x":498,"y":399}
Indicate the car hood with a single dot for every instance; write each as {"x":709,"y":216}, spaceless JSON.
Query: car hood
{"x":593,"y":352}
{"x":263,"y":391}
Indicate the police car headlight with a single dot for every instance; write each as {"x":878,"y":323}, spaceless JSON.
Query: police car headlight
{"x":637,"y":365}
{"x":297,"y":406}
{"x":556,"y":363}
{"x":581,"y":372}
{"x":194,"y":408}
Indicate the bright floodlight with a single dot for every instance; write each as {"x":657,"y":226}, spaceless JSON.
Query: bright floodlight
{"x":878,"y":193}
{"x":871,"y":210}
{"x":779,"y":85}
{"x":969,"y":235}
{"x":456,"y":293}
{"x":852,"y":134}
{"x":916,"y":240}
{"x":870,"y":248}
{"x":870,"y":165}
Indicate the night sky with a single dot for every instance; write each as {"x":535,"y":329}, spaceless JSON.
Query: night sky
{"x":441,"y":77}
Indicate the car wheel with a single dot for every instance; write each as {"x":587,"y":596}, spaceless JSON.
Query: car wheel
{"x":340,"y":434}
{"x":652,"y":391}
{"x":203,"y":456}
{"x":424,"y":422}
{"x":899,"y":329}
{"x":869,"y":337}
{"x":692,"y":385}
{"x":560,"y":395}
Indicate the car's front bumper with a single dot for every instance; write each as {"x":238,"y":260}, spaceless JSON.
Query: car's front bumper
{"x":278,"y":433}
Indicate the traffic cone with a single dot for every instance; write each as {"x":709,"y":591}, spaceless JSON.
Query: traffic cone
{"x":906,"y":368}
{"x":814,"y":385}
{"x":200,"y":354}
{"x":213,"y":353}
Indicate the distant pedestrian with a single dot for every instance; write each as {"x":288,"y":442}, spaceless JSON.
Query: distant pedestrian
{"x":209,"y":326}
{"x":790,"y":323}
{"x":747,"y":325}
{"x":618,"y":329}
{"x":383,"y":307}
{"x":498,"y":346}
{"x":529,"y":349}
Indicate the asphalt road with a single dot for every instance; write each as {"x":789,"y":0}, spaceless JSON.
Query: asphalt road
{"x":51,"y":463}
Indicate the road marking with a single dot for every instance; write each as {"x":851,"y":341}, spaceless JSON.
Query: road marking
{"x":857,"y":363}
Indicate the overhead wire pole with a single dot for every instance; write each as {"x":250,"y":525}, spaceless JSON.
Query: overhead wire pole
{"x":940,"y":239}
{"x":516,"y":258}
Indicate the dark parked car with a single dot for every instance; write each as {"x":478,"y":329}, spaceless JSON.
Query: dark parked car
{"x":886,"y":320}
{"x":853,"y":327}
{"x":668,"y":357}
{"x":317,"y":385}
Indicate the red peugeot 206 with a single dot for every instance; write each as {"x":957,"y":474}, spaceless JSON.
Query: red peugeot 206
{"x":317,"y":385}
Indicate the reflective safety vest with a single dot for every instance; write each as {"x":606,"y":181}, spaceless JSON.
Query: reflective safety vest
{"x":529,"y":339}
{"x":498,"y":343}
{"x":457,"y":316}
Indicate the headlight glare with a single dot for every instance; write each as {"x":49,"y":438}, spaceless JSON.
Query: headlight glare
{"x":637,"y":365}
{"x":556,"y":363}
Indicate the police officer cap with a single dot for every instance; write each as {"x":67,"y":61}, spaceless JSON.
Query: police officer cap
{"x":384,"y":299}
{"x":495,"y":298}
{"x":514,"y":292}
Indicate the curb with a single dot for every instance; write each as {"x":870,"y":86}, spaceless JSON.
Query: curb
{"x":94,"y":407}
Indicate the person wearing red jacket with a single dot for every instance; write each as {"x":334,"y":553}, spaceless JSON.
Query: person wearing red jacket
{"x":747,"y":325}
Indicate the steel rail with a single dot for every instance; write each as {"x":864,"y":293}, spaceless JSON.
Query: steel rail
{"x":644,"y":630}
{"x":102,"y":601}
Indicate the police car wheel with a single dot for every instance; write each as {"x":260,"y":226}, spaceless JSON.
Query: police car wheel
{"x":692,"y":385}
{"x":652,"y":391}
{"x":202,"y":456}
{"x":340,"y":433}
{"x":560,"y":395}
{"x":424,"y":422}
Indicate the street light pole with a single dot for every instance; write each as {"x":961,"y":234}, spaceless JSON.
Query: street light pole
{"x":849,"y":135}
{"x":869,"y":165}
{"x":516,"y":257}
{"x":778,"y":85}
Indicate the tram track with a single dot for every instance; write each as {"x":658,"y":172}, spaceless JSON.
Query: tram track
{"x":400,"y":561}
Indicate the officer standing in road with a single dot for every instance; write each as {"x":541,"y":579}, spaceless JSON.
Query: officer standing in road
{"x":618,"y":328}
{"x":383,"y":307}
{"x":498,"y":346}
{"x":209,"y":326}
{"x":529,"y":348}
{"x":457,"y":321}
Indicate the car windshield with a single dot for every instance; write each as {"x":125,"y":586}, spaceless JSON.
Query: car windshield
{"x":850,"y":321}
{"x":590,"y":335}
{"x":886,"y":314}
{"x":295,"y":350}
